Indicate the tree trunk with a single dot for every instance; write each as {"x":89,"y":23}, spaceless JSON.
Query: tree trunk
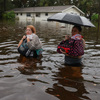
{"x":98,"y":30}
{"x":4,"y":5}
{"x":98,"y":22}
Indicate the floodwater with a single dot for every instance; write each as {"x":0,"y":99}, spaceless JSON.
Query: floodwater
{"x":47,"y":78}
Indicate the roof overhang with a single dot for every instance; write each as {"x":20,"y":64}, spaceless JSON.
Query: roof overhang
{"x":76,"y":9}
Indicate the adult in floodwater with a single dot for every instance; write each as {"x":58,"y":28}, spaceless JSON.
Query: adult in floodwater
{"x":30,"y":45}
{"x":73,"y":47}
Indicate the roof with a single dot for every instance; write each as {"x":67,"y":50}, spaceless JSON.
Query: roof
{"x":45,"y":9}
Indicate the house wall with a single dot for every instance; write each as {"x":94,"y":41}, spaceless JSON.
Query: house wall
{"x":23,"y":16}
{"x":42,"y":16}
{"x":72,"y":11}
{"x":19,"y":16}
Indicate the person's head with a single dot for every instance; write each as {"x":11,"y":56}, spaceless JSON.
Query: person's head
{"x":30,"y":29}
{"x":76,"y":30}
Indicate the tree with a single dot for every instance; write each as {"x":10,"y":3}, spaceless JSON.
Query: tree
{"x":97,"y":10}
{"x":5,"y":5}
{"x":17,"y":3}
{"x":86,"y":6}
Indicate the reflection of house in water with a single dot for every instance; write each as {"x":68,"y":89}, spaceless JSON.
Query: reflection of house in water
{"x":42,"y":13}
{"x":45,"y":27}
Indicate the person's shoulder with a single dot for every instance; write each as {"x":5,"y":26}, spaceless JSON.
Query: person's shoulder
{"x":83,"y":40}
{"x":34,"y":35}
{"x":71,"y":40}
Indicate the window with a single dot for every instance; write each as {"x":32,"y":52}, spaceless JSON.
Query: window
{"x":28,"y":15}
{"x":72,"y":13}
{"x":21,"y":14}
{"x":37,"y":14}
{"x":46,"y":14}
{"x":16,"y":13}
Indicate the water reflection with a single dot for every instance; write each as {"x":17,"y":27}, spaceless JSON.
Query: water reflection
{"x":69,"y":84}
{"x":29,"y":65}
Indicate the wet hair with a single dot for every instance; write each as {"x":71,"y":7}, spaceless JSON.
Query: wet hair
{"x":32,"y":28}
{"x":78,"y":27}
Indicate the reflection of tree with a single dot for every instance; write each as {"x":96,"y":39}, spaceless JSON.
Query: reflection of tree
{"x":29,"y":64}
{"x":70,"y":85}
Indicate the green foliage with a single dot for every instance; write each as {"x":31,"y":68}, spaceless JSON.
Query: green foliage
{"x":9,"y":15}
{"x":94,"y":17}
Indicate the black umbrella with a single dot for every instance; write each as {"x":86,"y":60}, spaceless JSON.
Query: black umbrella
{"x":71,"y":19}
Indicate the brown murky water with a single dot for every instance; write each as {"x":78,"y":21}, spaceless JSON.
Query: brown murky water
{"x":47,"y":78}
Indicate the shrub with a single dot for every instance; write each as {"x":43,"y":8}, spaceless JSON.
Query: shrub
{"x":94,"y":17}
{"x":9,"y":15}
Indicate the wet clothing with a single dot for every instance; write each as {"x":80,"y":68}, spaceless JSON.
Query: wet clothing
{"x":73,"y":61}
{"x":76,"y":49}
{"x":34,"y":43}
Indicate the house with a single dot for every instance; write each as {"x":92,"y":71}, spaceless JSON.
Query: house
{"x":42,"y":13}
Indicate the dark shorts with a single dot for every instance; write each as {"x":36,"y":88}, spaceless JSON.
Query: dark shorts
{"x":73,"y":61}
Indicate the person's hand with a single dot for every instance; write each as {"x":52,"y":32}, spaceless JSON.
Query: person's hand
{"x":66,"y":37}
{"x":21,"y":41}
{"x":23,"y":37}
{"x":28,"y":40}
{"x":64,"y":52}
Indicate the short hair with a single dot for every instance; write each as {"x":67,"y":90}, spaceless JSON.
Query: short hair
{"x":78,"y":27}
{"x":32,"y":28}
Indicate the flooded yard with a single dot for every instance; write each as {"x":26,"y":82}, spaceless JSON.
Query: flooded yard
{"x":47,"y":78}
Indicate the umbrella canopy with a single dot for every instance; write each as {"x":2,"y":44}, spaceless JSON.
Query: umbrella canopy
{"x":71,"y":19}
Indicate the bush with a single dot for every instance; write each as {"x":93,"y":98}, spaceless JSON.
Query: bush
{"x":9,"y":15}
{"x":94,"y":17}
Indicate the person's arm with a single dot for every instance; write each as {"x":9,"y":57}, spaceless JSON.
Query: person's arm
{"x":63,"y":52}
{"x":66,"y":37}
{"x":21,"y":40}
{"x":83,"y":43}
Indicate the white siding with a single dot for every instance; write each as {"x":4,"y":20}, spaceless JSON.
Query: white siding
{"x":43,"y":16}
{"x":24,"y":16}
{"x":71,"y":10}
{"x":33,"y":16}
{"x":19,"y":16}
